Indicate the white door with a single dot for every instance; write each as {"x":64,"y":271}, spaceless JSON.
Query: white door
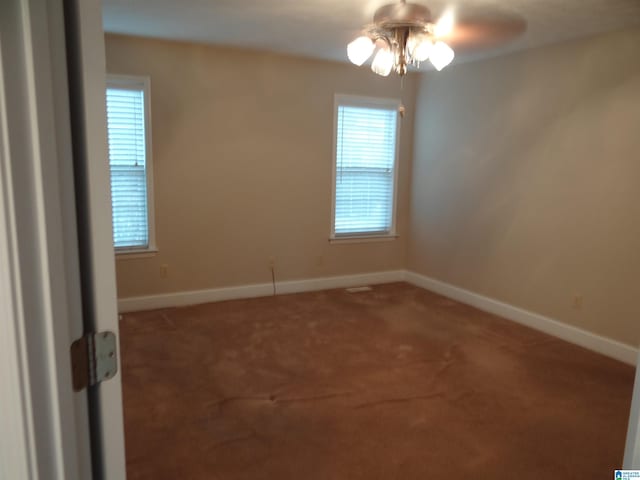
{"x":57,"y":276}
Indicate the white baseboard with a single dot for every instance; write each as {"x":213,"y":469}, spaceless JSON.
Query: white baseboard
{"x":178,"y":299}
{"x":578,"y":336}
{"x":606,"y":346}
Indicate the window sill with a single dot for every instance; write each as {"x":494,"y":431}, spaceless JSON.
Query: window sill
{"x":363,"y":238}
{"x":133,"y":254}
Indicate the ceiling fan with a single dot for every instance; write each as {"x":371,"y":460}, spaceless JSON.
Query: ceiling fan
{"x":405,"y":35}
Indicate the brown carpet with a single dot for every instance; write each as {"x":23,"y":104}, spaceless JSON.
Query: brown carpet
{"x":397,"y":383}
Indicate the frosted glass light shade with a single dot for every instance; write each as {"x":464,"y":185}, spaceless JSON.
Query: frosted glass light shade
{"x":441,"y":55}
{"x":382,"y":62}
{"x":360,"y":50}
{"x":419,"y":47}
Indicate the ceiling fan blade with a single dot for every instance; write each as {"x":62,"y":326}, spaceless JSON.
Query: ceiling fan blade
{"x":445,"y":24}
{"x":475,"y":33}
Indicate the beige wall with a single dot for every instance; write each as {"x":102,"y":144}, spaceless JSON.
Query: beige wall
{"x":526,"y":181}
{"x":242,"y":152}
{"x":524,"y":185}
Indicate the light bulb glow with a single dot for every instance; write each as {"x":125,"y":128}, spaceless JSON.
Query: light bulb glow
{"x":382,"y":62}
{"x":444,"y":26}
{"x":360,"y":50}
{"x":419,"y":47}
{"x":441,"y":55}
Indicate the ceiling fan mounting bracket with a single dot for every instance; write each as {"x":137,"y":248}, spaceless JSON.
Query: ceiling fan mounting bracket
{"x":402,"y":15}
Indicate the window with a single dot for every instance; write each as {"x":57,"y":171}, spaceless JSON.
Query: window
{"x":128,"y":128}
{"x":365,"y":168}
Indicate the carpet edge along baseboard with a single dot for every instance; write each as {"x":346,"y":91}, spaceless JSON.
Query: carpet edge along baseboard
{"x":584,"y":338}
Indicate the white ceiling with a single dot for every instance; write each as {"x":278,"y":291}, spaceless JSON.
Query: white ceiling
{"x":322,"y":28}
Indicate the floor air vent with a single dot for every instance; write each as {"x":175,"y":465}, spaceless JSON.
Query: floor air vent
{"x":358,"y":289}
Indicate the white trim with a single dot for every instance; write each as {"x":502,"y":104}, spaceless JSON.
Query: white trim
{"x":569,"y":333}
{"x":364,"y":101}
{"x":40,"y":281}
{"x":373,"y":102}
{"x":17,"y":449}
{"x":363,"y":238}
{"x":151,"y":302}
{"x":597,"y":343}
{"x":128,"y":82}
{"x":133,"y":254}
{"x":135,"y":82}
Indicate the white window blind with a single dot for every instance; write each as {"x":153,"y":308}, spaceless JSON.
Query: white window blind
{"x":365,"y":170}
{"x":128,"y":165}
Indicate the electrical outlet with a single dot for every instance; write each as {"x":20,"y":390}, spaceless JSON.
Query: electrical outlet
{"x":577,"y":301}
{"x":272,"y":262}
{"x":164,"y":270}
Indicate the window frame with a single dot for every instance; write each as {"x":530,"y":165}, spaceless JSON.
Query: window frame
{"x":367,"y":102}
{"x":138,"y":82}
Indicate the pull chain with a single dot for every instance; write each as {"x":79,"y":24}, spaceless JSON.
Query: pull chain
{"x":401,"y":108}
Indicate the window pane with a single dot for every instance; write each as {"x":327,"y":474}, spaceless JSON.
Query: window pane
{"x":127,"y":161}
{"x":365,"y":162}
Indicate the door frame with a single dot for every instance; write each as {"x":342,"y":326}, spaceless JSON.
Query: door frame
{"x":43,"y":304}
{"x":39,"y":249}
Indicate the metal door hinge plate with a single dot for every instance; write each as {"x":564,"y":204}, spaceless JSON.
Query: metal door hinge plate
{"x":94,"y":359}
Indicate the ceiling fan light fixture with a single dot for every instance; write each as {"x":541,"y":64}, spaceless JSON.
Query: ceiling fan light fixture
{"x":383,"y":62}
{"x":407,"y":37}
{"x":360,"y":50}
{"x":441,"y":55}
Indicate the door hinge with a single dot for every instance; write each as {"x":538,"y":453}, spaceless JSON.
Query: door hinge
{"x":94,"y":359}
